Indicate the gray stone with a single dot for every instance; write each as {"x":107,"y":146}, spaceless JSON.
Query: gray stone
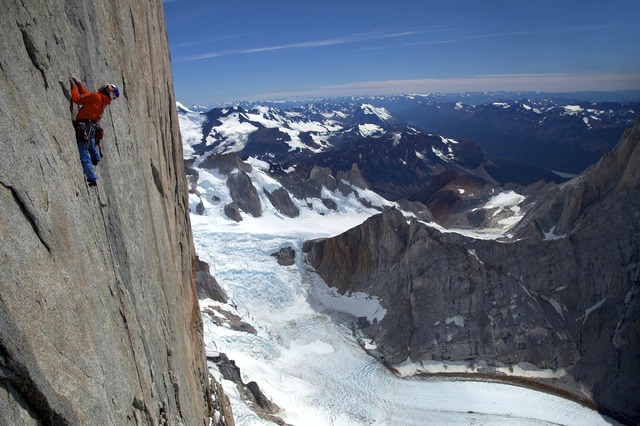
{"x":220,"y":316}
{"x":226,"y":163}
{"x":353,"y":176}
{"x":420,"y":210}
{"x":286,"y":256}
{"x":260,"y":399}
{"x":200,"y":208}
{"x":249,"y":392}
{"x":281,"y":200}
{"x":206,"y":285}
{"x":567,"y":300}
{"x":322,"y":175}
{"x":233,"y":212}
{"x":99,"y":319}
{"x":244,"y":194}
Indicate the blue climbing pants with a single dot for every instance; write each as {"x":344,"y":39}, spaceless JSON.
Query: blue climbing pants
{"x":89,"y":153}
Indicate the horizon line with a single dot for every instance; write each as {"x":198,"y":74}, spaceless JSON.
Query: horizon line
{"x":539,"y":83}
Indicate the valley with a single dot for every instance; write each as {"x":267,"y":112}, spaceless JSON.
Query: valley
{"x":417,"y":253}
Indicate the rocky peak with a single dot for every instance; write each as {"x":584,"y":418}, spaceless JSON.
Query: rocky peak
{"x":563,"y":299}
{"x":561,"y":207}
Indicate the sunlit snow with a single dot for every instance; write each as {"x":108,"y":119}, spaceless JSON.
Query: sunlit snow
{"x":380,"y":112}
{"x":305,"y":356}
{"x":191,"y":130}
{"x":369,"y":129}
{"x":235,"y":132}
{"x":507,"y":199}
{"x":573,"y":109}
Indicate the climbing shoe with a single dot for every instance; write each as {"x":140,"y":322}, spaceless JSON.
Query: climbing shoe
{"x":91,"y":182}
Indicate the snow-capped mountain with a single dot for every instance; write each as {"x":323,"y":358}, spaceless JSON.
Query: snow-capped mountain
{"x":565,"y":132}
{"x":397,"y":161}
{"x":286,"y":346}
{"x":560,"y":293}
{"x":282,"y":345}
{"x":278,"y":135}
{"x":556,"y":134}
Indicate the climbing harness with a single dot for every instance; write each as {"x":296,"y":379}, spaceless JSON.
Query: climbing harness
{"x":85,"y":130}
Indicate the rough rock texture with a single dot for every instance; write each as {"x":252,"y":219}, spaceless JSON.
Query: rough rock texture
{"x":322,"y":176}
{"x":569,"y":299}
{"x":233,"y":212}
{"x":249,"y":392}
{"x":285,"y":256}
{"x":244,"y":194}
{"x":206,"y":285}
{"x":221,"y":404}
{"x":226,"y":163}
{"x":354,"y":176}
{"x":282,"y":202}
{"x":99,"y":321}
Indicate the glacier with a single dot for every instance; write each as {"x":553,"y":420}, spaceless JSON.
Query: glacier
{"x":306,"y":356}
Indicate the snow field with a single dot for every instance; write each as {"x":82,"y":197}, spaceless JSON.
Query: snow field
{"x":304,"y":356}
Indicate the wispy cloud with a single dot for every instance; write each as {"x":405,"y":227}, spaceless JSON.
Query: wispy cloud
{"x":208,"y":40}
{"x":498,"y":82}
{"x":352,"y":38}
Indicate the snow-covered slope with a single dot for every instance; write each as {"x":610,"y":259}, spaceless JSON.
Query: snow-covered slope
{"x":304,"y":355}
{"x":278,"y":134}
{"x":566,"y":135}
{"x":300,"y":343}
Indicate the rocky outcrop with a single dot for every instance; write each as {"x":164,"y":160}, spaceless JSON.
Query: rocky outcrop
{"x":563,"y":296}
{"x":281,"y":200}
{"x":285,"y":256}
{"x":354,"y":176}
{"x":323,"y":177}
{"x":225,"y":163}
{"x":232,"y":211}
{"x":249,"y":392}
{"x":299,"y":187}
{"x":244,"y":194}
{"x":99,"y":321}
{"x":206,"y":285}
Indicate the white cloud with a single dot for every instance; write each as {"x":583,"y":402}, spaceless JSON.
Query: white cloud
{"x":352,"y":38}
{"x":498,"y":82}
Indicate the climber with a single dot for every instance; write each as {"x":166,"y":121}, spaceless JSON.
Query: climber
{"x":86,"y":123}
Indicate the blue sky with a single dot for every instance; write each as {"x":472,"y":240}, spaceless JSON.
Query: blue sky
{"x":229,"y":50}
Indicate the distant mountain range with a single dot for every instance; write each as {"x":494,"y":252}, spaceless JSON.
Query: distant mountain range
{"x":473,"y":272}
{"x":555,"y":134}
{"x":402,"y":101}
{"x":395,"y":140}
{"x":477,"y":263}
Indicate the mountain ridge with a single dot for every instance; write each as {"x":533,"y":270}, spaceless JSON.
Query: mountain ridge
{"x":559,"y":294}
{"x":474,"y":275}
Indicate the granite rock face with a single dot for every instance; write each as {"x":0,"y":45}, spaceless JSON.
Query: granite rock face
{"x":244,"y":194}
{"x":99,"y":320}
{"x":206,"y":285}
{"x":564,"y":293}
{"x":281,"y":200}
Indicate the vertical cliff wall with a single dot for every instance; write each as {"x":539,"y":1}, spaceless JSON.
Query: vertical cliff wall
{"x":567,"y":301}
{"x":99,"y":322}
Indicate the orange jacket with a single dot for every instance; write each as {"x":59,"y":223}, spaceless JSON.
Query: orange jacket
{"x":93,"y":104}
